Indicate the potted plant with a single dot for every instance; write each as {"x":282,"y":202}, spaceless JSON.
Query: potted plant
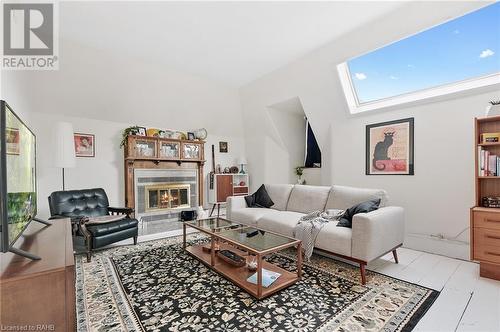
{"x":126,"y":132}
{"x":299,"y":170}
{"x":494,"y":108}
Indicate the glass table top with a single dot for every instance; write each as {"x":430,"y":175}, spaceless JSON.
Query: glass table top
{"x":212,"y":224}
{"x":256,"y":239}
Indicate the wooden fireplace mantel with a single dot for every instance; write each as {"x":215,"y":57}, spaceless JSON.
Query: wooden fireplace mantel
{"x":143,"y":152}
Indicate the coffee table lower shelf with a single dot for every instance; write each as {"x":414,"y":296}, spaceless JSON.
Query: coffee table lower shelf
{"x":239,"y":275}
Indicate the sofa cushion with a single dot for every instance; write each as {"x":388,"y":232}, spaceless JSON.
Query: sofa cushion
{"x":249,"y":216}
{"x":307,"y":199}
{"x":282,"y":222}
{"x":335,"y":239}
{"x":343,"y":197}
{"x":279,"y":193}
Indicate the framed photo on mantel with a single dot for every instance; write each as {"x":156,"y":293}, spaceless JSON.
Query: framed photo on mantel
{"x":389,"y":148}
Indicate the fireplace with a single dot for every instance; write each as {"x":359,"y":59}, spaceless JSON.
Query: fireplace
{"x":167,"y":196}
{"x":162,"y":194}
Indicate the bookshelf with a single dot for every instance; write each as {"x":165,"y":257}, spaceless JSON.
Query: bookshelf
{"x":485,"y":221}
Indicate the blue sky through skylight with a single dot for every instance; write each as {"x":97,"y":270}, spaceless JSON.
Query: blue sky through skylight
{"x":464,"y":48}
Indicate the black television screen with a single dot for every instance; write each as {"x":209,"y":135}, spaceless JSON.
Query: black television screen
{"x":17,"y":176}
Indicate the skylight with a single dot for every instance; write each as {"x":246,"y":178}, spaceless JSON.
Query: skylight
{"x":458,"y":51}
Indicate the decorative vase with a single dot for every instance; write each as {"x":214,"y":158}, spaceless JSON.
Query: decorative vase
{"x":201,"y":213}
{"x":492,"y":110}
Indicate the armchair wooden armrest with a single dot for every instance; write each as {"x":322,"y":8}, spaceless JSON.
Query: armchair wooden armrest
{"x":121,"y":210}
{"x":57,"y":216}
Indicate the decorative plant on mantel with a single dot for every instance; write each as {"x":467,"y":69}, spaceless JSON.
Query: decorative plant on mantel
{"x":494,"y":108}
{"x":127,"y":132}
{"x":299,"y":170}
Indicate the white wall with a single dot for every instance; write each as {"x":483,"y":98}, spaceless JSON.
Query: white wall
{"x":438,"y":196}
{"x":287,"y":119}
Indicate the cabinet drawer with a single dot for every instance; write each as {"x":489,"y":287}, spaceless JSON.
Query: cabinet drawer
{"x":486,"y":237}
{"x":241,"y":190}
{"x":487,"y":220}
{"x":487,"y":253}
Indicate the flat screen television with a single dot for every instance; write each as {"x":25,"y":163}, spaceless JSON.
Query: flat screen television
{"x":17,"y":178}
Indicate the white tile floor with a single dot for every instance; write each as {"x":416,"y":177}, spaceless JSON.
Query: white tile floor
{"x":467,"y":302}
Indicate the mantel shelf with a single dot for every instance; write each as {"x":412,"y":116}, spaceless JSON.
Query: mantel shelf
{"x":489,"y":144}
{"x":163,"y":159}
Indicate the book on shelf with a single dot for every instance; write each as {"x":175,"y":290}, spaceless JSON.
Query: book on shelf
{"x":488,"y":163}
{"x":268,"y":277}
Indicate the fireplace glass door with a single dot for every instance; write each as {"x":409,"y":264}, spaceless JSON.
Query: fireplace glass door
{"x":168,"y":196}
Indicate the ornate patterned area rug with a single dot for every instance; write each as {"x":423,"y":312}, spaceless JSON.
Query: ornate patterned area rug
{"x":156,"y":286}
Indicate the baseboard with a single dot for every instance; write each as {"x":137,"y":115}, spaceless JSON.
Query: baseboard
{"x":431,"y":245}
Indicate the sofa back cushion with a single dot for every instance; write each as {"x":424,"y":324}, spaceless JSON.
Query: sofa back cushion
{"x":343,"y":197}
{"x":279,"y":193}
{"x":307,"y":199}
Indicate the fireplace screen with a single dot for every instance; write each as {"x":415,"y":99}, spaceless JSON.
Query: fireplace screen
{"x":167,"y":196}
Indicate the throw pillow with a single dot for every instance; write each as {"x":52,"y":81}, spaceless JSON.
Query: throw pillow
{"x":260,"y":198}
{"x":365,"y":207}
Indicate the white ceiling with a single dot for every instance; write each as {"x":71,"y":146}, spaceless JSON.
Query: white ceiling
{"x":231,"y":42}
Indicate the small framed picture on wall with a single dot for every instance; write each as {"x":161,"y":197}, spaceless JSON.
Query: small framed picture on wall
{"x":84,"y":145}
{"x":389,"y":148}
{"x":12,"y":140}
{"x":223,"y":147}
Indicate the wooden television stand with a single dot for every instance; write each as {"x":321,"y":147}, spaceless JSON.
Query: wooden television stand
{"x":40,"y":292}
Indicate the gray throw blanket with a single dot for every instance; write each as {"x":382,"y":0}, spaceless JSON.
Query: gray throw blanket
{"x":310,"y":225}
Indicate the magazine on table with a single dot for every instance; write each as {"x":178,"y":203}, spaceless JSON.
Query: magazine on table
{"x":268,"y":277}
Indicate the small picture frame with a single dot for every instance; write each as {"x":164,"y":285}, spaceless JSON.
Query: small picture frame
{"x":190,"y":136}
{"x":84,"y":145}
{"x":141,"y":131}
{"x":12,"y":140}
{"x":223,"y":147}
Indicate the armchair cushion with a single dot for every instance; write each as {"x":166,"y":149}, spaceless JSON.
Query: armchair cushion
{"x":112,"y":227}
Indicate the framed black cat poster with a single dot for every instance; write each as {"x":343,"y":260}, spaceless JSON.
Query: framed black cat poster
{"x":389,"y":148}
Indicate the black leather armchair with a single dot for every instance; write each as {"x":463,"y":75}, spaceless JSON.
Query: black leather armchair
{"x":79,"y":204}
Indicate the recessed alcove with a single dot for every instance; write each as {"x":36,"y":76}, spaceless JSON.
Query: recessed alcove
{"x":289,"y":124}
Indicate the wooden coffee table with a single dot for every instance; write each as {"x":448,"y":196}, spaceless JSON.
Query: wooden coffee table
{"x":226,"y":234}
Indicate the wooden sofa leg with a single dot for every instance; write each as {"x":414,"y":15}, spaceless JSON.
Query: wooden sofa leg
{"x":395,"y":254}
{"x":135,"y":239}
{"x":362,"y":267}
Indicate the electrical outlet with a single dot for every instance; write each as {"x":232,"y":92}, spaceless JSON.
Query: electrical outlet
{"x":439,"y":236}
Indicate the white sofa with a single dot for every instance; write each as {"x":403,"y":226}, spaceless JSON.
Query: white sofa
{"x":372,"y":235}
